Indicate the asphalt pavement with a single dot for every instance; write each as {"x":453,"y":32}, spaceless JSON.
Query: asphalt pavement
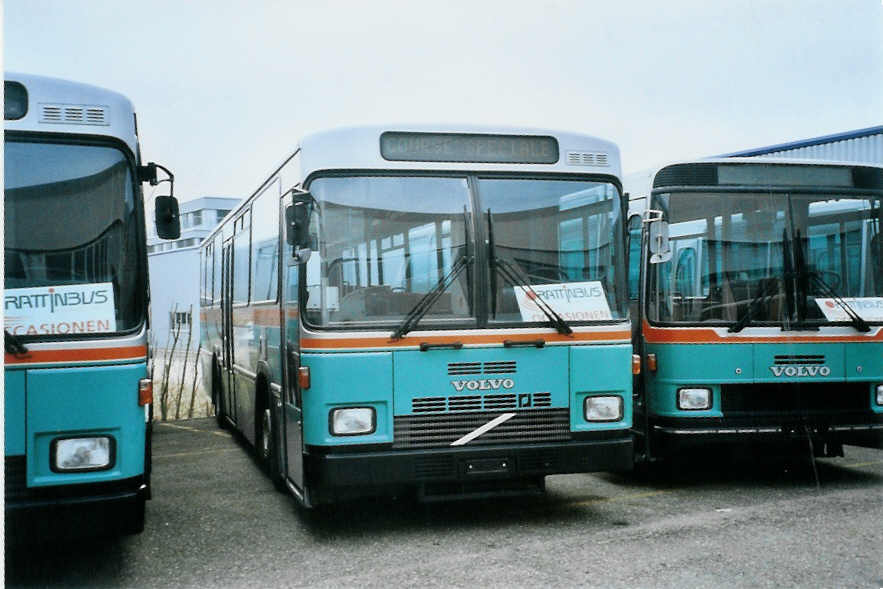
{"x":216,"y":521}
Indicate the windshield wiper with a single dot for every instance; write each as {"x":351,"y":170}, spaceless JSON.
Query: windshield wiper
{"x":12,"y":344}
{"x":517,"y":279}
{"x":429,"y":299}
{"x":857,"y":321}
{"x":745,"y":318}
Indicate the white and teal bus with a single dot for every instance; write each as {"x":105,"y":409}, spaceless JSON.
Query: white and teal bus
{"x":76,"y":393}
{"x":434,"y":308}
{"x":761,"y":307}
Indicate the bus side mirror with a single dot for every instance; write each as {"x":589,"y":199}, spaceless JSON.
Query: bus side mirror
{"x":166,"y":217}
{"x":297,"y":233}
{"x":659,"y":243}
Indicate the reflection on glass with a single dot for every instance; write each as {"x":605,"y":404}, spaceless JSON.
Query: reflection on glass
{"x":383,"y":242}
{"x":562,"y":233}
{"x":773,"y":252}
{"x":70,"y":220}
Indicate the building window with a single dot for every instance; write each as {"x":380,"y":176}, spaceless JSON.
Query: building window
{"x":221,"y":213}
{"x":179,"y":318}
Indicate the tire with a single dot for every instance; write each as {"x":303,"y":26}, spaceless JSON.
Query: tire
{"x":268,"y":443}
{"x":218,"y":398}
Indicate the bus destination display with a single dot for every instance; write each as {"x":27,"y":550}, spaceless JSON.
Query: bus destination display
{"x":468,"y":147}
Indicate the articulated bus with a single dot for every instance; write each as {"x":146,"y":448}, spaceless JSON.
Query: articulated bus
{"x":76,"y":393}
{"x":761,"y":307}
{"x":437,"y":310}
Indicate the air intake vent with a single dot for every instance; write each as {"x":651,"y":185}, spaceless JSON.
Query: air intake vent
{"x":95,"y":115}
{"x":806,"y":359}
{"x":74,"y":114}
{"x":491,"y":402}
{"x":51,"y":114}
{"x":459,"y":368}
{"x":427,"y":404}
{"x":542,"y":399}
{"x":585,"y":158}
{"x":501,"y":401}
{"x":505,"y":367}
{"x":465,"y":403}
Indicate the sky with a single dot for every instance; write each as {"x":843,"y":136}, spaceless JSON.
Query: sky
{"x":224,"y":89}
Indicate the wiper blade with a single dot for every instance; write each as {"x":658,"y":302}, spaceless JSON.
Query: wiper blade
{"x":517,"y":279}
{"x":857,"y":321}
{"x":429,"y":299}
{"x":746,"y":316}
{"x":12,"y":344}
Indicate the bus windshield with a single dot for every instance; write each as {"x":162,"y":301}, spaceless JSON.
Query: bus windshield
{"x":384,"y":242}
{"x":73,"y":263}
{"x":561,"y":238}
{"x":775,"y":258}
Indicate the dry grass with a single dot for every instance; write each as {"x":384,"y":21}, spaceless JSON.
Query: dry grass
{"x":201,"y":405}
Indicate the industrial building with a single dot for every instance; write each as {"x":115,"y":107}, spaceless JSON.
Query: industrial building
{"x":861,"y":145}
{"x":174,"y":268}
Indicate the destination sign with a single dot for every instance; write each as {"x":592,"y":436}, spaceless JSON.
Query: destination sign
{"x":468,"y":147}
{"x":59,"y":310}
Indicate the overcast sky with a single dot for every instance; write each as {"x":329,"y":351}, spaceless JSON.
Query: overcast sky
{"x":223,"y":89}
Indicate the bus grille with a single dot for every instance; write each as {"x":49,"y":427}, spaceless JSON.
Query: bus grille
{"x":794,"y":398}
{"x":785,"y":359}
{"x":492,"y":402}
{"x":490,"y":367}
{"x":433,"y":431}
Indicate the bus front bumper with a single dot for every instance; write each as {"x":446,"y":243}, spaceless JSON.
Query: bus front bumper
{"x":670,"y":435}
{"x":33,"y":515}
{"x":465,"y":464}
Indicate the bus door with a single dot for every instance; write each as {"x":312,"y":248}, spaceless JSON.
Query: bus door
{"x":227,"y":328}
{"x":291,"y":336}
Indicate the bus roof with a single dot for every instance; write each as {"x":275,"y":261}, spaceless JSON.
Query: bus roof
{"x":358,"y":148}
{"x":73,"y":108}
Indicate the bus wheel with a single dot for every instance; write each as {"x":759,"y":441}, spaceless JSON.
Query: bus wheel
{"x":268,"y":449}
{"x":218,"y":398}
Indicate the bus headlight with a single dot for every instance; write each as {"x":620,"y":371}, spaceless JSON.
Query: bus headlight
{"x":603,"y":408}
{"x":353,"y":421}
{"x":880,"y":394}
{"x":694,"y":399}
{"x":79,"y":454}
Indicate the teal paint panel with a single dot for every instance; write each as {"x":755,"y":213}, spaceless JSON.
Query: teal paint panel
{"x":702,"y":363}
{"x":481,"y":372}
{"x":72,"y":402}
{"x":596,"y":370}
{"x":864,"y":361}
{"x":14,"y":412}
{"x":768,"y":370}
{"x":699,"y":365}
{"x":347,"y":380}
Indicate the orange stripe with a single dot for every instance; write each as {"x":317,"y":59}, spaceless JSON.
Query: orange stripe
{"x":704,"y":335}
{"x":77,"y":355}
{"x":383,"y":342}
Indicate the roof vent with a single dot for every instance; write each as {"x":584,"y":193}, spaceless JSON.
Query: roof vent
{"x":587,"y":158}
{"x":74,"y":114}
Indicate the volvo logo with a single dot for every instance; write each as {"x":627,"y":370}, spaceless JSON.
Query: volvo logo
{"x":485,"y":384}
{"x":800,"y":370}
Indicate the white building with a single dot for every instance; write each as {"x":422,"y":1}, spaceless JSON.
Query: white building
{"x":174,"y":268}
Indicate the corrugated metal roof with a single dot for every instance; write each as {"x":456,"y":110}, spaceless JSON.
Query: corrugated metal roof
{"x":861,"y":145}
